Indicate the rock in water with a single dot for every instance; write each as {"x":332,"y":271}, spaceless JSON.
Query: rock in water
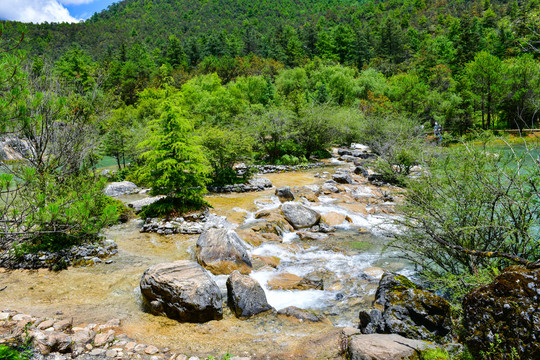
{"x":284,"y":193}
{"x":342,"y":178}
{"x":505,"y":313}
{"x":120,"y":188}
{"x":384,"y":347}
{"x":183,"y":291}
{"x":260,"y":182}
{"x":408,"y":311}
{"x":222,"y":251}
{"x":300,"y":216}
{"x":245,"y":296}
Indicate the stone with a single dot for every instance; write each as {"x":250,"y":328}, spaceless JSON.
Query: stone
{"x":342,"y":178}
{"x":260,"y":182}
{"x":131,"y":345}
{"x":137,"y":205}
{"x":300,"y":314}
{"x":120,"y":188}
{"x":21,"y":317}
{"x":98,"y":352}
{"x":139,"y":348}
{"x":45,"y":324}
{"x":104,"y":338}
{"x":284,"y":193}
{"x":505,"y":312}
{"x":52,"y":341}
{"x":311,"y":236}
{"x":62,"y":325}
{"x":286,"y":281}
{"x":407,"y":310}
{"x":360,"y":170}
{"x":83,"y":336}
{"x":151,"y":350}
{"x":271,"y":261}
{"x":328,"y":188}
{"x":384,"y":347}
{"x":111,"y":353}
{"x":222,"y":251}
{"x":245,"y":296}
{"x":4,"y":316}
{"x":375,"y":272}
{"x":271,"y":221}
{"x":183,"y":291}
{"x":300,"y":216}
{"x":333,"y":218}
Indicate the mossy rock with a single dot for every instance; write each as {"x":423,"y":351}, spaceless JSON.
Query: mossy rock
{"x":504,"y":316}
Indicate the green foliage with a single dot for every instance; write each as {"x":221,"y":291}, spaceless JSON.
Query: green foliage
{"x":172,"y":206}
{"x":472,"y":210}
{"x":174,"y":163}
{"x":224,"y":148}
{"x":8,"y":353}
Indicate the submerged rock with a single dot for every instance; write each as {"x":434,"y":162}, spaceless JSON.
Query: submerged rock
{"x":245,"y":296}
{"x":506,"y":313}
{"x":288,"y":281}
{"x":183,"y":291}
{"x":120,"y":188}
{"x":222,"y":251}
{"x":384,"y":347}
{"x":408,"y":310}
{"x":301,"y":314}
{"x":300,"y":216}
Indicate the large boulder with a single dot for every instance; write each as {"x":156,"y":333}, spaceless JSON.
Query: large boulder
{"x":222,"y":251}
{"x":245,"y":296}
{"x":300,"y":216}
{"x":384,"y":347}
{"x":183,"y":291}
{"x":260,"y":182}
{"x":284,"y":193}
{"x":505,"y":313}
{"x":137,"y":205}
{"x":407,"y":310}
{"x":120,"y":188}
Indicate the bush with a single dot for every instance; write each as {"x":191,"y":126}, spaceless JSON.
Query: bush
{"x":170,"y":206}
{"x":473,"y":210}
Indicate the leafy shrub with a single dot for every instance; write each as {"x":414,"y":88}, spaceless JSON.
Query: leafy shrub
{"x":172,"y":207}
{"x":7,"y":353}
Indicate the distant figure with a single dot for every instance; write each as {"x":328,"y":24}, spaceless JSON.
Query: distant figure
{"x":437,"y":131}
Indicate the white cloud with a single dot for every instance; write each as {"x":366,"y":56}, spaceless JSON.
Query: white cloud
{"x":36,"y":11}
{"x":75,"y":2}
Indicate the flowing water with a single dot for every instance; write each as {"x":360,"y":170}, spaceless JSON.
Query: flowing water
{"x":348,"y":262}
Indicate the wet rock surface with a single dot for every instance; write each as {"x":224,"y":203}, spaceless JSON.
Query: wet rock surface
{"x":222,"y":251}
{"x":284,"y":193}
{"x":245,"y":296}
{"x":506,"y":313}
{"x":300,"y":216}
{"x":183,"y":291}
{"x":193,"y":223}
{"x":407,"y":310}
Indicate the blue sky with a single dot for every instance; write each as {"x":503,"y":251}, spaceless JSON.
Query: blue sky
{"x":38,"y":11}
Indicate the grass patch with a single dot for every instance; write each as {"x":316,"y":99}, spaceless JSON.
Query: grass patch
{"x":172,"y":207}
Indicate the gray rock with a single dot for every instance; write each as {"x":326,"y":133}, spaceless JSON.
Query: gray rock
{"x":245,"y":296}
{"x":138,"y":204}
{"x":52,"y":341}
{"x":120,"y":188}
{"x":284,"y":194}
{"x":359,"y":170}
{"x":300,"y":314}
{"x":300,"y":216}
{"x":183,"y":291}
{"x":330,"y":187}
{"x":221,"y":251}
{"x":342,"y":178}
{"x":384,"y":347}
{"x":260,"y":182}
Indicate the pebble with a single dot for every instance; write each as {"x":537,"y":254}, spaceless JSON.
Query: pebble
{"x":139,"y":348}
{"x":111,"y":353}
{"x":97,"y":352}
{"x":151,"y":350}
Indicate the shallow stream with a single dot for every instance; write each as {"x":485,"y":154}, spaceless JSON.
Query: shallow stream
{"x":349,"y":262}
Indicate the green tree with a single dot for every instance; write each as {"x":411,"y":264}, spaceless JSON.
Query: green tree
{"x":175,"y":164}
{"x":484,"y":74}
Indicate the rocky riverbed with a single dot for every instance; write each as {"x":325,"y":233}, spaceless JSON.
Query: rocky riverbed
{"x":329,"y":269}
